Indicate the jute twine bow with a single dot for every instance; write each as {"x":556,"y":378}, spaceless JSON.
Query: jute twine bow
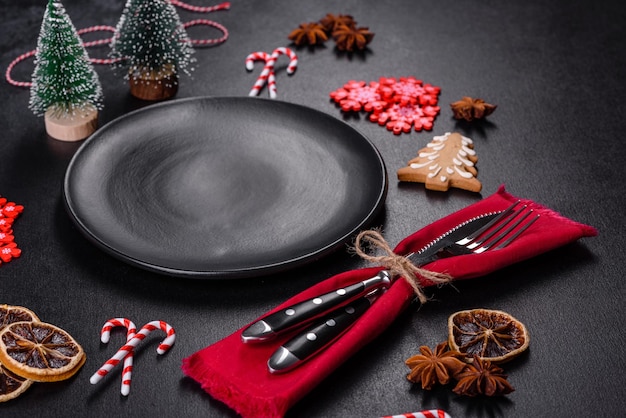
{"x":396,"y":264}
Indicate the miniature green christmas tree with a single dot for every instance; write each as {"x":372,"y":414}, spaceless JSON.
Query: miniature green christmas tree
{"x":65,"y":88}
{"x":151,"y":43}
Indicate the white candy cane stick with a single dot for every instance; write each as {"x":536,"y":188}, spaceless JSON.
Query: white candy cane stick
{"x":293,"y":58}
{"x":132,"y":343}
{"x":105,"y":336}
{"x":431,"y":413}
{"x":266,"y":75}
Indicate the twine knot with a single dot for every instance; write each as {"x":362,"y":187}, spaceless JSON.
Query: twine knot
{"x":397,"y":265}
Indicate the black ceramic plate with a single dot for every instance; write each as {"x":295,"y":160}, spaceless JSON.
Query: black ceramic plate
{"x":224,"y":187}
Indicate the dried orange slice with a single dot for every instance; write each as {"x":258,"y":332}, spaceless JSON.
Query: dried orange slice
{"x":39,"y":351}
{"x":491,"y":335}
{"x":10,"y":314}
{"x":11,"y":385}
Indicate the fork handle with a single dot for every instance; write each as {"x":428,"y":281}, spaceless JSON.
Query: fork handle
{"x":304,"y":312}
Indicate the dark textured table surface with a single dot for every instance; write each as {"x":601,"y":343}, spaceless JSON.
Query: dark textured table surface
{"x":556,"y":71}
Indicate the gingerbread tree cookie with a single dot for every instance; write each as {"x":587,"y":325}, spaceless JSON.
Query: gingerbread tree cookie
{"x":447,"y":161}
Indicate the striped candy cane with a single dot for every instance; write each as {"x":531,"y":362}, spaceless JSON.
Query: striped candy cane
{"x":130,"y":345}
{"x":291,"y":68}
{"x":255,"y":56}
{"x":271,"y":78}
{"x":431,"y":413}
{"x":105,"y":335}
{"x":293,"y":58}
{"x":268,"y":74}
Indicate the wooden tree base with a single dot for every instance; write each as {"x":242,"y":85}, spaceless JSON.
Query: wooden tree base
{"x":153,"y":85}
{"x":71,"y":128}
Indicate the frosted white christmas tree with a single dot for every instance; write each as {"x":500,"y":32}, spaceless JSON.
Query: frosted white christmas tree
{"x":151,"y":43}
{"x":65,"y":87}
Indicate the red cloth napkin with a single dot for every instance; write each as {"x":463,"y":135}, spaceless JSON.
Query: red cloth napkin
{"x":236,"y":373}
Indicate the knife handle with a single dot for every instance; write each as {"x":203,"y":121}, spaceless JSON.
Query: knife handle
{"x":308,"y":343}
{"x":304,"y":312}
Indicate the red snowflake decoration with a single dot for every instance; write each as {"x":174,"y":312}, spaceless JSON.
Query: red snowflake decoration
{"x":357,"y":95}
{"x":401,"y":118}
{"x":398,"y":104}
{"x":9,"y":211}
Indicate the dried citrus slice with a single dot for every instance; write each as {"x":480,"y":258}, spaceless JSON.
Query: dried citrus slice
{"x":39,"y":351}
{"x":10,"y":314}
{"x":11,"y":385}
{"x":491,"y":335}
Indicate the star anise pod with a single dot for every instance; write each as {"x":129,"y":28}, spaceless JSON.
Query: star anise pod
{"x":470,"y":109}
{"x":330,"y":22}
{"x":351,"y":38}
{"x":308,"y":33}
{"x":481,"y":377}
{"x":429,"y":368}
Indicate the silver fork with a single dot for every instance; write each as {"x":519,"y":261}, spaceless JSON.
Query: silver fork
{"x":504,"y":225}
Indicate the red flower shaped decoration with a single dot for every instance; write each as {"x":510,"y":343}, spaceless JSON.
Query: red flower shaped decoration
{"x":357,"y":95}
{"x":9,"y":252}
{"x":5,"y":224}
{"x":5,"y":238}
{"x":398,"y":104}
{"x":9,"y":211}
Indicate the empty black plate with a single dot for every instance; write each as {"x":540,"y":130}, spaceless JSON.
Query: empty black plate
{"x":224,"y":187}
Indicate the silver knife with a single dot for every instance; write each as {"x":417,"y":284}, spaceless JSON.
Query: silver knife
{"x":303,"y":313}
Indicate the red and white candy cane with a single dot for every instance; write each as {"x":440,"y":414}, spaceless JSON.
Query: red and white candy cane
{"x":266,"y":75}
{"x":293,"y":58}
{"x":431,"y":413}
{"x":130,"y":345}
{"x":105,"y":335}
